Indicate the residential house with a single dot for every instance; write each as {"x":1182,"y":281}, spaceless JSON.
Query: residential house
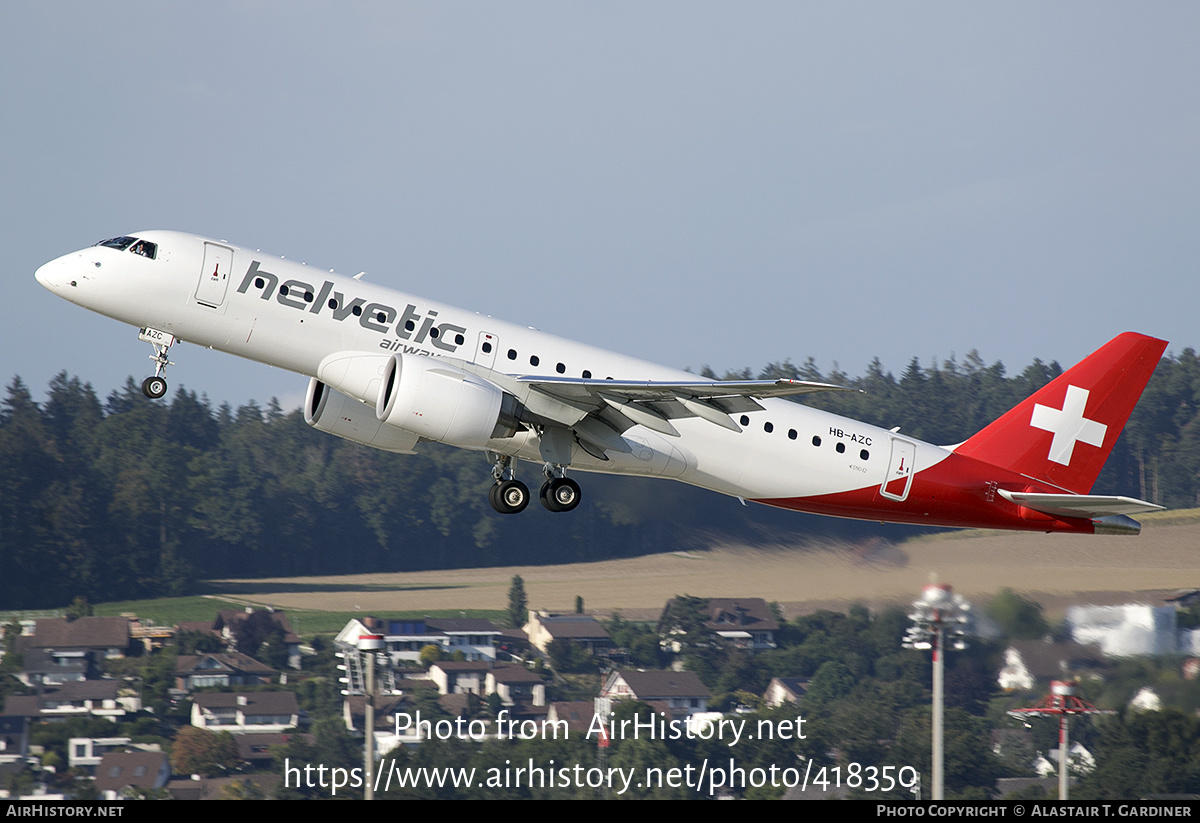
{"x":1125,"y":631}
{"x":119,"y":772}
{"x":109,"y":636}
{"x":52,"y":667}
{"x":197,"y":671}
{"x":459,"y":677}
{"x":516,"y":685}
{"x":474,"y":638}
{"x":1027,"y":661}
{"x":577,"y":714}
{"x":231,"y":625}
{"x":14,"y":739}
{"x":98,"y":698}
{"x":682,"y":692}
{"x":246,"y":712}
{"x":85,"y":753}
{"x":785,"y":690}
{"x":543,"y":628}
{"x":249,"y":786}
{"x":745,"y":622}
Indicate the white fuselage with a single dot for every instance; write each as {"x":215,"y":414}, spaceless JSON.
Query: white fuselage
{"x":280,"y":312}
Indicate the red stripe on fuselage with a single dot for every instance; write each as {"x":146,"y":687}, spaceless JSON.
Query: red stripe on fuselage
{"x":958,"y":492}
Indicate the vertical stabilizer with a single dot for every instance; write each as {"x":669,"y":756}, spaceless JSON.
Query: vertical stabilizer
{"x":1064,"y":432}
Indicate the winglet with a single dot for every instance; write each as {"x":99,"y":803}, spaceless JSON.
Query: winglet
{"x":1064,"y":432}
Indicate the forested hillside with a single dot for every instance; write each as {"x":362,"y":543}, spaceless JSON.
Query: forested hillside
{"x":127,"y":497}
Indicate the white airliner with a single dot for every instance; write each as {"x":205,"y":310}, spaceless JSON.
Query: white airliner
{"x":390,"y":369}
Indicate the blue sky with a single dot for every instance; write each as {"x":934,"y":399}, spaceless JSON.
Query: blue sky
{"x":694,"y":183}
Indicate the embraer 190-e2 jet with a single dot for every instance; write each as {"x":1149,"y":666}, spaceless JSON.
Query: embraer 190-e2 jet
{"x":389,"y":370}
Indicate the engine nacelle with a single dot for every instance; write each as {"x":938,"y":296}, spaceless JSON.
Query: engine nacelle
{"x":441,"y":402}
{"x":334,"y":413}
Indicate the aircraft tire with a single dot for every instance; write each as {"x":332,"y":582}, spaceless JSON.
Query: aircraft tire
{"x":154,"y":387}
{"x":561,"y":494}
{"x":509,"y":497}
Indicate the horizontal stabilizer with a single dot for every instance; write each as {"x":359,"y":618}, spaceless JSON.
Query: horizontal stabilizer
{"x":1079,"y":505}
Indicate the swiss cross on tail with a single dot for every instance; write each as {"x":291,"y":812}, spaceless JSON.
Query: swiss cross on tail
{"x":1087,"y":405}
{"x":1068,"y":425}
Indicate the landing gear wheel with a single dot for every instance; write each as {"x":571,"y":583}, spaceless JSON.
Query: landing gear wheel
{"x":509,"y":497}
{"x":154,"y":387}
{"x":560,"y":494}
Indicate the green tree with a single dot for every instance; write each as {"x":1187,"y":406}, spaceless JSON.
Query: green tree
{"x":430,"y":654}
{"x":203,"y":752}
{"x":518,"y":605}
{"x":1019,"y":618}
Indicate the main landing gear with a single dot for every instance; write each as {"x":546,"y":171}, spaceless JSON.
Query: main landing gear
{"x":559,"y":494}
{"x":509,"y":495}
{"x":156,"y":386}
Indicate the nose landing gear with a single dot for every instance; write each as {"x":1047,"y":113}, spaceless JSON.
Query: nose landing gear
{"x":156,"y":386}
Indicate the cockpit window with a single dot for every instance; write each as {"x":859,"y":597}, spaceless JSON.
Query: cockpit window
{"x":145,"y":248}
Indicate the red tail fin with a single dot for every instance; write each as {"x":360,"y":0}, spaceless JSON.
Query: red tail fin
{"x":1064,"y":432}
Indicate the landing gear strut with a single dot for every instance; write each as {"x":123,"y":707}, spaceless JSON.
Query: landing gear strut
{"x":156,"y":386}
{"x":559,"y":493}
{"x":507,"y":496}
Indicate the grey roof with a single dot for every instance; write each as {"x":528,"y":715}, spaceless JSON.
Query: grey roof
{"x":81,"y":633}
{"x":120,"y":769}
{"x":233,"y":618}
{"x":514,"y":674}
{"x":463,"y":625}
{"x":660,"y":684}
{"x":256,"y":702}
{"x":1056,"y":660}
{"x":748,"y":613}
{"x":574,"y":627}
{"x":463,"y":665}
{"x":188,"y":664}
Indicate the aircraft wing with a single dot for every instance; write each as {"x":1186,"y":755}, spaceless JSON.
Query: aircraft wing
{"x":623,"y":403}
{"x":574,"y":388}
{"x":1079,"y":505}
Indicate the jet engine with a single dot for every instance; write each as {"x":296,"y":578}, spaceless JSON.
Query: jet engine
{"x":441,"y":402}
{"x":332,"y":412}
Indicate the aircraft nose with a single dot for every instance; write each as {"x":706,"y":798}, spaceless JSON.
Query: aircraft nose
{"x":45,"y":275}
{"x":56,"y":275}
